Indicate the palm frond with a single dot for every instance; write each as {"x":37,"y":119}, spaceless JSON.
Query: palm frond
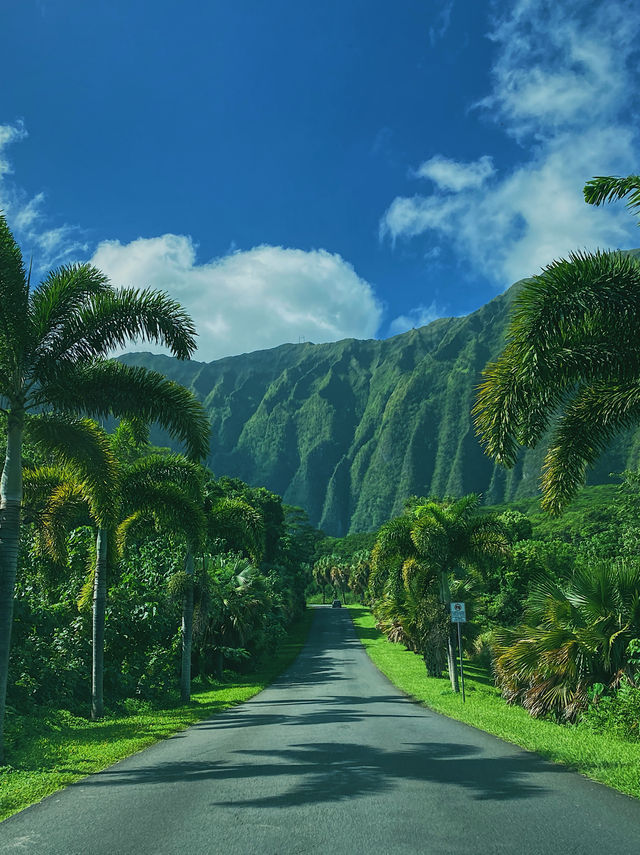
{"x":609,"y":188}
{"x":574,"y":324}
{"x":111,"y":319}
{"x":67,"y":508}
{"x":83,"y":448}
{"x":55,"y":303}
{"x":171,"y":508}
{"x":239,"y":525}
{"x":595,"y":416}
{"x":110,"y":388}
{"x":153,"y":468}
{"x":15,"y":320}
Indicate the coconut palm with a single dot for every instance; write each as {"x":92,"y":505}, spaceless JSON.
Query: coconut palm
{"x":575,"y":633}
{"x":54,"y":340}
{"x":426,"y":549}
{"x":571,"y":362}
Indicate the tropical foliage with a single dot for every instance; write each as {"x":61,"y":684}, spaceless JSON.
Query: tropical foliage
{"x":418,"y":558}
{"x":571,"y":360}
{"x":54,"y":342}
{"x":576,"y":633}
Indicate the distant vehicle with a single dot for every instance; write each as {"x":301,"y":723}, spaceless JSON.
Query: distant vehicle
{"x":336,"y":604}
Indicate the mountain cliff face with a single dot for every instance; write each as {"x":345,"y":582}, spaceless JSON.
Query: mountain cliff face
{"x":348,"y":430}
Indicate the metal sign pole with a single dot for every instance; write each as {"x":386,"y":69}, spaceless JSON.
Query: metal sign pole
{"x":461,"y":668}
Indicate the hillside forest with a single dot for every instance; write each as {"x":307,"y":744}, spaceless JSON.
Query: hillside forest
{"x":131,"y":574}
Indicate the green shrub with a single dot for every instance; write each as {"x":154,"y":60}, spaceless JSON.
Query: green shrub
{"x":617,"y":713}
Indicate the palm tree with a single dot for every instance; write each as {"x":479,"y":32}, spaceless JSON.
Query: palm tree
{"x":321,"y":573}
{"x":427,"y":548}
{"x":230,"y":524}
{"x":575,"y":633}
{"x":571,"y":360}
{"x":233,"y":610}
{"x":156,"y":490}
{"x":359,"y":573}
{"x":339,"y":577}
{"x":54,"y":343}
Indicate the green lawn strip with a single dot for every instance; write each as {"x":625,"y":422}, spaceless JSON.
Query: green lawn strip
{"x":50,"y":751}
{"x":598,"y":755}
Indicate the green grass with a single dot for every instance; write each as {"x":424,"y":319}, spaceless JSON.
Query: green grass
{"x":51,"y":750}
{"x":597,"y":755}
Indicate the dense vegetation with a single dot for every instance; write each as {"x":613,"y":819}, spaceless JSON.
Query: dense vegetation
{"x":242,"y":610}
{"x":81,"y":510}
{"x":186,"y":574}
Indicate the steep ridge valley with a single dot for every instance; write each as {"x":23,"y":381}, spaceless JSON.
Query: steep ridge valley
{"x":348,"y":430}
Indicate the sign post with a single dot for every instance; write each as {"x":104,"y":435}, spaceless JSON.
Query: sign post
{"x":459,"y":616}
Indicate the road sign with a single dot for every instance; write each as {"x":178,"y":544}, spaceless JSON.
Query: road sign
{"x":458,"y":613}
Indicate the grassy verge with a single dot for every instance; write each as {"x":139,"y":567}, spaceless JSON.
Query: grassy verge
{"x":50,"y":751}
{"x":598,"y":755}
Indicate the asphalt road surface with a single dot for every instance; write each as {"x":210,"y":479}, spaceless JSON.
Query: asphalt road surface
{"x":330,"y":759}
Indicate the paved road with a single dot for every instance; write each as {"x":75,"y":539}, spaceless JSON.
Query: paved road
{"x":330,"y":759}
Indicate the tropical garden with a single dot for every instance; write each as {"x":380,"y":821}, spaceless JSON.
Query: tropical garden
{"x":131,"y":576}
{"x":552,"y":589}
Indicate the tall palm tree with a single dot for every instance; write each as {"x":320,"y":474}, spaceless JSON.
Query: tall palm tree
{"x":359,"y":573}
{"x":428,"y":547}
{"x":54,"y":343}
{"x":156,"y":490}
{"x":321,"y":573}
{"x":571,"y":362}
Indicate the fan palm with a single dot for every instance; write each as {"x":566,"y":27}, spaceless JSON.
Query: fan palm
{"x":54,"y":340}
{"x":574,"y":634}
{"x":571,"y":358}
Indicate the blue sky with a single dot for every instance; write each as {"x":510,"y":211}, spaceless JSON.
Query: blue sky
{"x":298,"y":170}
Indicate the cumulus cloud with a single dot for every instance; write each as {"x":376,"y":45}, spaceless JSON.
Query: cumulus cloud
{"x":249,"y":300}
{"x":563,"y":84}
{"x":48,"y":246}
{"x":240,"y":302}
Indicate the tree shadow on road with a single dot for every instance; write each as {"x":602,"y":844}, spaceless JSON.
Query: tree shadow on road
{"x":332,"y":771}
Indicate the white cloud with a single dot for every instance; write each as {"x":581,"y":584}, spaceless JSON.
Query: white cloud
{"x":561,"y":65}
{"x":48,"y":246}
{"x":441,"y":22}
{"x":451,"y":175}
{"x":249,"y":300}
{"x":563,"y":85}
{"x":418,"y":317}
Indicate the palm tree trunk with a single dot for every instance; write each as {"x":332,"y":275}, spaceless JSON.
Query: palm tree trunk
{"x":99,"y":602}
{"x":187,"y":632}
{"x":10,"y":505}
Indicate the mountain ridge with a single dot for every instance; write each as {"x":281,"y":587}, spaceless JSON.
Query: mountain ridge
{"x":349,"y":429}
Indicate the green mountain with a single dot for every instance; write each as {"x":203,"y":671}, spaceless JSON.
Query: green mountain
{"x":348,"y":430}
